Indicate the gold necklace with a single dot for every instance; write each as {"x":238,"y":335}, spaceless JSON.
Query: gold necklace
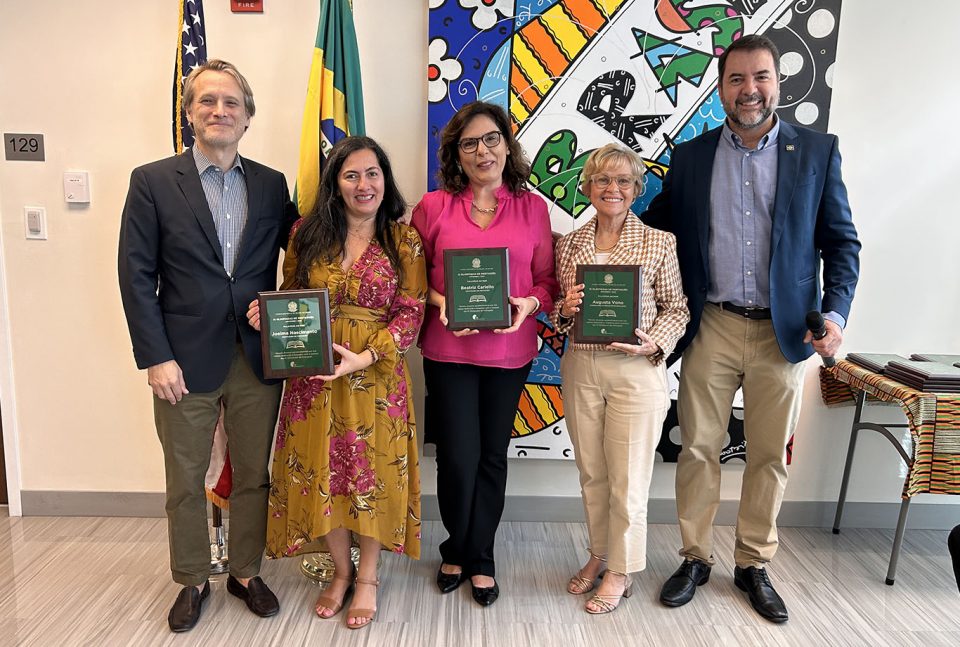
{"x":604,"y":249}
{"x":358,"y":236}
{"x":492,"y":209}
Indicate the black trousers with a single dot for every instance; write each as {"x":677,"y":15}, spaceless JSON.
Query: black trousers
{"x":472,"y":409}
{"x":953,"y":541}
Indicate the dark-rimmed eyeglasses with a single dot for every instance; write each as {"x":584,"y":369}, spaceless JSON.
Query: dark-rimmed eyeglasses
{"x":490,"y":140}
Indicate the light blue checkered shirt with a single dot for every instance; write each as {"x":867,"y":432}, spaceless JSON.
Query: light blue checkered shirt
{"x":743,"y":188}
{"x":227,"y":198}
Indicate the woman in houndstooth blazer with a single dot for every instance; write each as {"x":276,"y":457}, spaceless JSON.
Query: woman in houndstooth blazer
{"x":615,"y":396}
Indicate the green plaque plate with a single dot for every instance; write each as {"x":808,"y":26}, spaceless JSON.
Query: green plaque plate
{"x":295,"y":333}
{"x":611,"y":304}
{"x":477,"y":288}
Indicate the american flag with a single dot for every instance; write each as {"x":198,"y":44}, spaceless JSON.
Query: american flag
{"x":191,"y":53}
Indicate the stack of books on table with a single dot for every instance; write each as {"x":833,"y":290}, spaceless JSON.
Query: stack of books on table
{"x":952,"y":360}
{"x":876,"y":362}
{"x":925,"y":376}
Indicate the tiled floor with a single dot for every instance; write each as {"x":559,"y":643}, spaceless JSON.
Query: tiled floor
{"x":104,"y":581}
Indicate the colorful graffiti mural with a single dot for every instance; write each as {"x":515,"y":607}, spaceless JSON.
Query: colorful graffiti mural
{"x":577,"y":74}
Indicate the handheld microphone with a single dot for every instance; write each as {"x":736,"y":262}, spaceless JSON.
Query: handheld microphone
{"x":817,"y":326}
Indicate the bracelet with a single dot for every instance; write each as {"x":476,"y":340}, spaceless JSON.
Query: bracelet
{"x":373,"y":353}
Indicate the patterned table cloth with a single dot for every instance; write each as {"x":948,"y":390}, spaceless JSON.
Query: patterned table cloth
{"x":933,"y":419}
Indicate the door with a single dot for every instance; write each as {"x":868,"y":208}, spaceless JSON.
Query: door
{"x":3,"y":469}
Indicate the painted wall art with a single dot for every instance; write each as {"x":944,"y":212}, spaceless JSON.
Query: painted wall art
{"x":576,"y":74}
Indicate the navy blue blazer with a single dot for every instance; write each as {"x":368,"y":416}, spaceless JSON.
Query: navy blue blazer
{"x":811,"y":223}
{"x":179,"y":301}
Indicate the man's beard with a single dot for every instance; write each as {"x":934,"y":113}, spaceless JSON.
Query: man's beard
{"x":765,"y":111}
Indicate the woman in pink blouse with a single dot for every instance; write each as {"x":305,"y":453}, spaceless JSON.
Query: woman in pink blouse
{"x":474,"y":378}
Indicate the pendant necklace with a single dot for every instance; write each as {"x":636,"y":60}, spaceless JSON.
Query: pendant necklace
{"x":358,"y":236}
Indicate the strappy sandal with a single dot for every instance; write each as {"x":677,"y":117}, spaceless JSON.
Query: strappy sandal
{"x":331,"y":604}
{"x":362,"y":613}
{"x":578,"y":584}
{"x":608,"y":603}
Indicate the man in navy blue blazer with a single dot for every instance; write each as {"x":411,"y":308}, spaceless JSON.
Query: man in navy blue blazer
{"x":757,"y":206}
{"x":200,"y":235}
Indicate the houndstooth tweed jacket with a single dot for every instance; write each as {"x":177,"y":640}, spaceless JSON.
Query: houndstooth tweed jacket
{"x":663,"y":305}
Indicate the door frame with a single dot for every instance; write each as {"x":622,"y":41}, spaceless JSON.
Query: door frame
{"x":8,"y":400}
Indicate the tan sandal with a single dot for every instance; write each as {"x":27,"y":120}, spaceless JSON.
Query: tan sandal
{"x":578,"y":584}
{"x":608,"y":603}
{"x":362,"y":613}
{"x":331,"y":604}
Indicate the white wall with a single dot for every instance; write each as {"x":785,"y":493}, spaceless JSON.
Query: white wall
{"x":94,"y":77}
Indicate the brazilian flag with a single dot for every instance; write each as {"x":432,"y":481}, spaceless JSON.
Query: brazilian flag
{"x":334,"y":106}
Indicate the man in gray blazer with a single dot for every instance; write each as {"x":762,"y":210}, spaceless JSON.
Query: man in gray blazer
{"x":200,"y":236}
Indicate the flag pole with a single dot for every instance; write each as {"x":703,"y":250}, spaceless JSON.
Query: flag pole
{"x":333,"y":110}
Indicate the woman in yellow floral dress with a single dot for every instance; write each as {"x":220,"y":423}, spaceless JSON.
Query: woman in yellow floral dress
{"x":346,"y":450}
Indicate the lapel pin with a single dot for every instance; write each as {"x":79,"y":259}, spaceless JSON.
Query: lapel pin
{"x":790,"y":147}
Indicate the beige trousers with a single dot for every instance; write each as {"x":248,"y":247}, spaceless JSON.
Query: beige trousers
{"x":615,"y":405}
{"x":728,"y":352}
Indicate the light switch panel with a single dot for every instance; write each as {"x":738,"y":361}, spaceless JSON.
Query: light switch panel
{"x":35,"y":222}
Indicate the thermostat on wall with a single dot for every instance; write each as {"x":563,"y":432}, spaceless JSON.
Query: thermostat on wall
{"x":76,"y":186}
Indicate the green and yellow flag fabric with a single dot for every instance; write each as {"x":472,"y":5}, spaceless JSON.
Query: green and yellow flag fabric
{"x":334,"y":106}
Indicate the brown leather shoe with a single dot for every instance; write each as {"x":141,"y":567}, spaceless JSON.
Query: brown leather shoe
{"x":259,"y":598}
{"x":185,"y":612}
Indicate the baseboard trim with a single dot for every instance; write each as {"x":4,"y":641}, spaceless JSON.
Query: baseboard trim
{"x":50,"y":503}
{"x":815,"y":514}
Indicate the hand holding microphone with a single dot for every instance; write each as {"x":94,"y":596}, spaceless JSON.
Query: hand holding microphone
{"x":818,"y":336}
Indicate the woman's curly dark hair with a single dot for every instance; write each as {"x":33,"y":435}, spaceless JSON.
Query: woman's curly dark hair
{"x":450,"y":176}
{"x":323,"y":234}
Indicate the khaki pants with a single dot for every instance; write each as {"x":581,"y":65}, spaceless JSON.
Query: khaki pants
{"x":728,"y":352}
{"x":615,"y":405}
{"x":186,"y":433}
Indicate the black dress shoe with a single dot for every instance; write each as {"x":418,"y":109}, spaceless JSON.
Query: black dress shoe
{"x":762,"y":595}
{"x":485,"y":596}
{"x":680,"y":587}
{"x":258,"y":597}
{"x":447,"y":582}
{"x":185,"y":611}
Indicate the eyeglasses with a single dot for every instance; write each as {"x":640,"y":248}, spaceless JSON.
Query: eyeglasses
{"x":623,"y":181}
{"x":490,"y":140}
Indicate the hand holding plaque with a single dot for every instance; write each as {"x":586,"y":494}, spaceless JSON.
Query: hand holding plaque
{"x":477,"y":288}
{"x":295,"y":333}
{"x":610,"y":311}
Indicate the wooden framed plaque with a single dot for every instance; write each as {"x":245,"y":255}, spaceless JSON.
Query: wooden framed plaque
{"x":477,"y":288}
{"x":295,"y":333}
{"x":611,"y":304}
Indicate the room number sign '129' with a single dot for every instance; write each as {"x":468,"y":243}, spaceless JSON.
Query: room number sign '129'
{"x":23,"y":146}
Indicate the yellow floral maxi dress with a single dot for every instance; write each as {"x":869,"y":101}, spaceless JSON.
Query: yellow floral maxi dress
{"x":346,"y":451}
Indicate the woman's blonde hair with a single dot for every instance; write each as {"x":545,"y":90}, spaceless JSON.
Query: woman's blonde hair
{"x":609,"y":154}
